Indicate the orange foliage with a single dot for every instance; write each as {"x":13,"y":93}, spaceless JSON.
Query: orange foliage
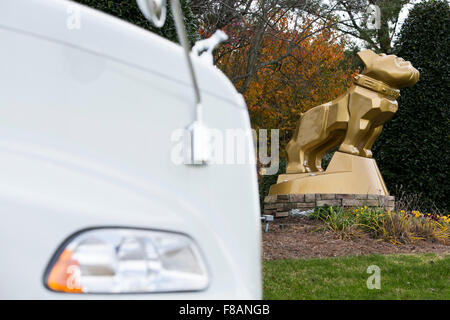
{"x":314,"y":72}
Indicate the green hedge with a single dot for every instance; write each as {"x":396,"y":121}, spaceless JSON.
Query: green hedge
{"x":129,"y":11}
{"x":414,"y":148}
{"x":266,"y":181}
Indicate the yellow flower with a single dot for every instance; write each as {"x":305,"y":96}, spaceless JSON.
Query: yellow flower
{"x":402,"y":211}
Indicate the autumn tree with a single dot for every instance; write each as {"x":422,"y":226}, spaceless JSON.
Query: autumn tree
{"x":249,"y":22}
{"x":296,"y":68}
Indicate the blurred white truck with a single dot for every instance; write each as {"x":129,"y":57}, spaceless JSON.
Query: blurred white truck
{"x":92,"y":203}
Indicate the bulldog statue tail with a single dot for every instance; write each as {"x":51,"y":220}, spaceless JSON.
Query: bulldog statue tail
{"x":353,"y":122}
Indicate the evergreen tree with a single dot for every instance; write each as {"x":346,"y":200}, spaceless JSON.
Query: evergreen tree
{"x":414,"y":148}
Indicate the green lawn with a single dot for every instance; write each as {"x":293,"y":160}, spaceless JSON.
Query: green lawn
{"x":418,"y":276}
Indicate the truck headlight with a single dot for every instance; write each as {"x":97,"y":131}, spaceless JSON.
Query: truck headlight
{"x":122,"y":260}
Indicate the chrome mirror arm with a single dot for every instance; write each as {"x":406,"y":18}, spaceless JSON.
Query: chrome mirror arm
{"x":182,"y":37}
{"x":196,"y":145}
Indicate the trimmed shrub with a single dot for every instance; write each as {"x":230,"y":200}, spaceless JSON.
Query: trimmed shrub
{"x":266,"y":181}
{"x":414,"y":148}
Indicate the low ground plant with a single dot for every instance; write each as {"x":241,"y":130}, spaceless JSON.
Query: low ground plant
{"x":396,"y":227}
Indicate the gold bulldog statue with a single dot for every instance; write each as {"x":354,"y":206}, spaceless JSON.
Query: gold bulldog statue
{"x":353,"y":122}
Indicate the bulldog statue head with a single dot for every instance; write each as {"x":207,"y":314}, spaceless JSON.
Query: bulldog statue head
{"x":390,"y":69}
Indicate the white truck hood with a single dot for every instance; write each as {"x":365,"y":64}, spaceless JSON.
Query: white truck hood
{"x":101,"y":33}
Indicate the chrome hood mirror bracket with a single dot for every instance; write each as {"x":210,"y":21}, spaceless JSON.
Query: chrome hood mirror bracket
{"x":196,"y":145}
{"x":204,"y":48}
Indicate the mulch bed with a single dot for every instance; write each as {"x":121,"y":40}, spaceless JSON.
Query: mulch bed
{"x":300,"y":238}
